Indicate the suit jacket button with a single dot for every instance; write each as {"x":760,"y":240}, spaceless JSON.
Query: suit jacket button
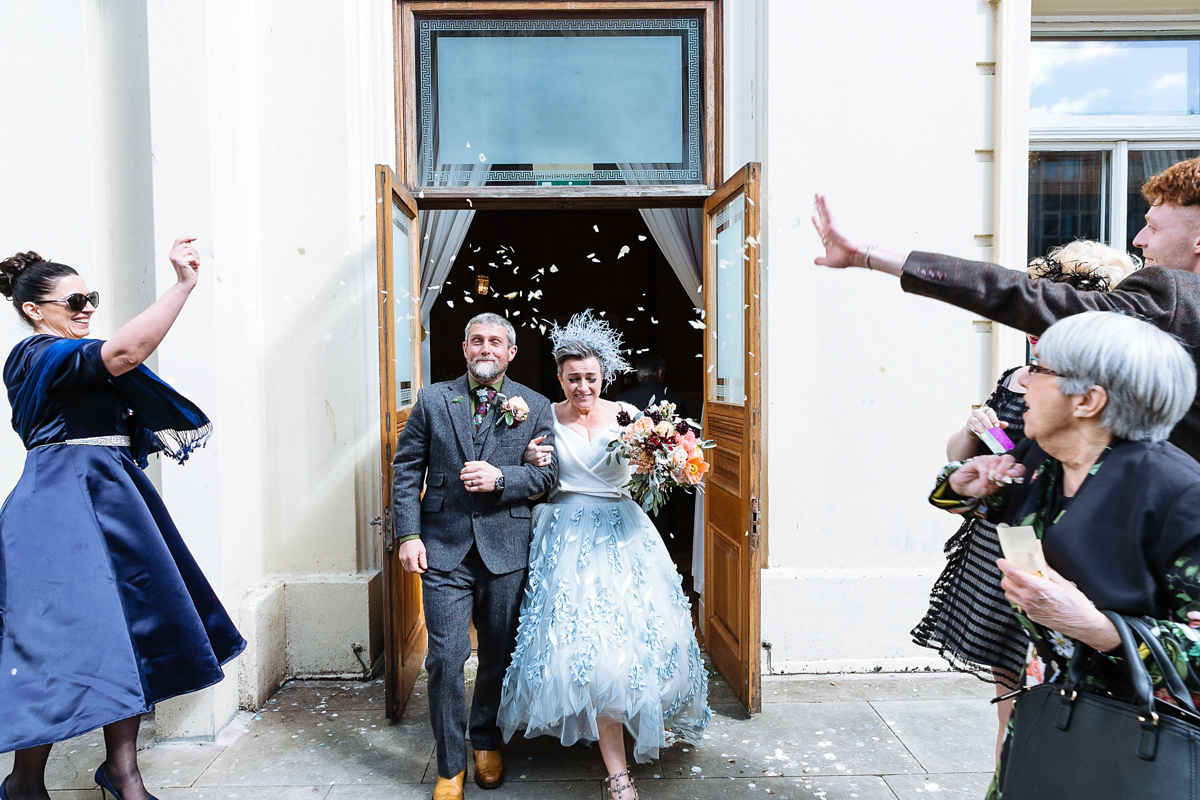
{"x":475,"y":515}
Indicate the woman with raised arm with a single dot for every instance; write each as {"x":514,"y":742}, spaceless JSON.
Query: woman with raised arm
{"x":103,"y":611}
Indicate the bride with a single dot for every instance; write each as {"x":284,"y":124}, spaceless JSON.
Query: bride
{"x":605,"y":640}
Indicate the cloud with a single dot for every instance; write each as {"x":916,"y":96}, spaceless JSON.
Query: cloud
{"x":1076,"y":105}
{"x":1045,"y":58}
{"x":1174,"y":80}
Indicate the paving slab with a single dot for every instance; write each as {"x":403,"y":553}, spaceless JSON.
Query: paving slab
{"x":544,"y":758}
{"x":290,"y":748}
{"x":245,"y":793}
{"x":911,"y":686}
{"x":960,"y":786}
{"x":832,"y":787}
{"x":346,"y":695}
{"x":796,"y":739}
{"x":944,"y":735}
{"x":799,"y":689}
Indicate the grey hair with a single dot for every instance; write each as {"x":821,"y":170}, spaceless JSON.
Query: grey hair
{"x":1148,"y":375}
{"x":585,"y":336}
{"x":495,"y":320}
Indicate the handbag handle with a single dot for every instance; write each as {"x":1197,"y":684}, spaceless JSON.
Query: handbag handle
{"x":1174,"y":684}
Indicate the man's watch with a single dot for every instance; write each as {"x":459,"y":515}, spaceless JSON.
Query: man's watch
{"x":500,"y":482}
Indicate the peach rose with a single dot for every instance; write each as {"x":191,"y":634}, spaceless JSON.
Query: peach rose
{"x":664,"y":429}
{"x":643,"y":425}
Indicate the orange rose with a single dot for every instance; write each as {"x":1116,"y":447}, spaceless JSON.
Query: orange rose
{"x":643,"y":425}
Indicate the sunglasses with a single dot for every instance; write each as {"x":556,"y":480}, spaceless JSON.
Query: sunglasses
{"x":77,"y":301}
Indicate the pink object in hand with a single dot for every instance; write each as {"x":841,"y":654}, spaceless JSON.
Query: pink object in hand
{"x":997,"y":440}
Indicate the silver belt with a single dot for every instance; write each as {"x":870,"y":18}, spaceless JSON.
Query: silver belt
{"x":94,"y":441}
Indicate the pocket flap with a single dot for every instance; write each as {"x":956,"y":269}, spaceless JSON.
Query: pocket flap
{"x":434,"y":479}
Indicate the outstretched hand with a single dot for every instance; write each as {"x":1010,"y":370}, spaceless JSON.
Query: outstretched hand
{"x":985,"y":475}
{"x":185,"y":259}
{"x":839,"y":252}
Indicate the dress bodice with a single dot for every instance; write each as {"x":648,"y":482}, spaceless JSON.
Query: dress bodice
{"x":82,"y":401}
{"x":587,"y":467}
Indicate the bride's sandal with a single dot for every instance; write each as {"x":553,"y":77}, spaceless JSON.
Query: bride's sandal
{"x":614,"y":788}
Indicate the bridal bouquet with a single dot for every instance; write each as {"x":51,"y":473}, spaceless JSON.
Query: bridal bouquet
{"x":665,"y":453}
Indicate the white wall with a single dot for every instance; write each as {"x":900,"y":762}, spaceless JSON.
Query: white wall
{"x":885,"y":116}
{"x":255,"y":127}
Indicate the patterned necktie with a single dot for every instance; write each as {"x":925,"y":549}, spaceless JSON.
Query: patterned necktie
{"x":484,"y":396}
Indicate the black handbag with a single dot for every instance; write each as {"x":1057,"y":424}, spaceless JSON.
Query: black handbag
{"x":1067,"y":742}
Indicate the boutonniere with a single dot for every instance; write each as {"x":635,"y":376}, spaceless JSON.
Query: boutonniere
{"x":513,"y":411}
{"x":458,"y":398}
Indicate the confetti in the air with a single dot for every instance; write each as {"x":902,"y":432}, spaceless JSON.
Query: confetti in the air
{"x":450,"y":303}
{"x":596,"y":228}
{"x":641,"y":238}
{"x":624,"y":251}
{"x":511,"y":295}
{"x":697,"y":324}
{"x":553,"y":268}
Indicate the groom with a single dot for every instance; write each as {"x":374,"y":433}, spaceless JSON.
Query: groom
{"x":468,"y":536}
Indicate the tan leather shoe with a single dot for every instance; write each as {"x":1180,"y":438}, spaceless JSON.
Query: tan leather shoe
{"x":489,"y":769}
{"x":449,"y":788}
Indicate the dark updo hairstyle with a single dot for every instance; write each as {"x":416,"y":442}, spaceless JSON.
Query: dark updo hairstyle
{"x":27,"y":277}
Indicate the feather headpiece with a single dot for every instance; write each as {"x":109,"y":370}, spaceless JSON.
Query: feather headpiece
{"x":596,"y":336}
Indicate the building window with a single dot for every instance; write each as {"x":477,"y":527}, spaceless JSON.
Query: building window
{"x":1105,"y":114}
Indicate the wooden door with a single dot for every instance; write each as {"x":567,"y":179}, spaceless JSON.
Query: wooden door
{"x":732,"y":418}
{"x":399,"y":377}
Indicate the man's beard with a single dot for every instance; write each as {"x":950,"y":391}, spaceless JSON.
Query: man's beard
{"x":484,"y":371}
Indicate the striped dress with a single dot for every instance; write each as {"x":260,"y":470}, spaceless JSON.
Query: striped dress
{"x":969,"y":622}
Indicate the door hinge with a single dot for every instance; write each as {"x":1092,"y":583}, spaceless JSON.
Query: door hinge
{"x":754,"y":523}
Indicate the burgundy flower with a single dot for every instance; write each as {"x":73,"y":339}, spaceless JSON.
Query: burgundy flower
{"x":623,"y":418}
{"x":682,"y":427}
{"x":655,"y":417}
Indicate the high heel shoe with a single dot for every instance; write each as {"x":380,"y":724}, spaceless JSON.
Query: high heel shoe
{"x":106,"y":787}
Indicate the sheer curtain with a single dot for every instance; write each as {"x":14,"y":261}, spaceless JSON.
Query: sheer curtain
{"x":678,"y":232}
{"x":442,"y":234}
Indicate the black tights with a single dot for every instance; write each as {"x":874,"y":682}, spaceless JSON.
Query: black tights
{"x":28,"y":778}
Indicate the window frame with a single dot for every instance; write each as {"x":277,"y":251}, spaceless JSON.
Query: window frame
{"x":1116,"y":133}
{"x":407,"y":13}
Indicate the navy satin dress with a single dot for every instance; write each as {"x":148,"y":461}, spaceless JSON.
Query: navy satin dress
{"x":103,"y":611}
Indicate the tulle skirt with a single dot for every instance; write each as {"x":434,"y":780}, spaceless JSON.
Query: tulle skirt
{"x":605,"y":633}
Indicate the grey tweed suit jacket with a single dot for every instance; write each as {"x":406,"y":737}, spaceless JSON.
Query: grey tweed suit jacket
{"x":437,"y":440}
{"x":1166,"y":298}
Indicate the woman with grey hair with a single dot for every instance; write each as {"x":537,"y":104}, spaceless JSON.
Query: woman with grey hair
{"x":605,"y":641}
{"x":1115,"y":506}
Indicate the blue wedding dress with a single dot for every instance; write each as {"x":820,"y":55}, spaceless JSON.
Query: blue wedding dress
{"x":103,"y":612}
{"x":606,"y":630}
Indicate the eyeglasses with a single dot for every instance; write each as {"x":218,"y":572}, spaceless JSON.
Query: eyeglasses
{"x":77,"y":301}
{"x":1038,"y":369}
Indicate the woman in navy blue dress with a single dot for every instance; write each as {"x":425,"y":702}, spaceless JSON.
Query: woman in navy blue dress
{"x":103,"y":612}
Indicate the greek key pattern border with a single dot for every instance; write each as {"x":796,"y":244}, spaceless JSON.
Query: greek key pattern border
{"x":691,"y":30}
{"x":726,"y":213}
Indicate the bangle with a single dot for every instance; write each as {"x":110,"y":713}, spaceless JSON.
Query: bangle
{"x":869,"y":255}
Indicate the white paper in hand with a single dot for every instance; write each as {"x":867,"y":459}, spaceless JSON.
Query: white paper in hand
{"x":1023,"y":548}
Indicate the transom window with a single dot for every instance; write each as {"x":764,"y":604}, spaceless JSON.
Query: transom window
{"x":567,"y":101}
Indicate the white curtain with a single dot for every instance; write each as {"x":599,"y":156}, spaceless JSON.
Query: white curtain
{"x":442,"y":233}
{"x":678,"y":232}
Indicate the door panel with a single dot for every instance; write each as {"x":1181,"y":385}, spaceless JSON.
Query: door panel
{"x":732,"y":403}
{"x":399,"y":378}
